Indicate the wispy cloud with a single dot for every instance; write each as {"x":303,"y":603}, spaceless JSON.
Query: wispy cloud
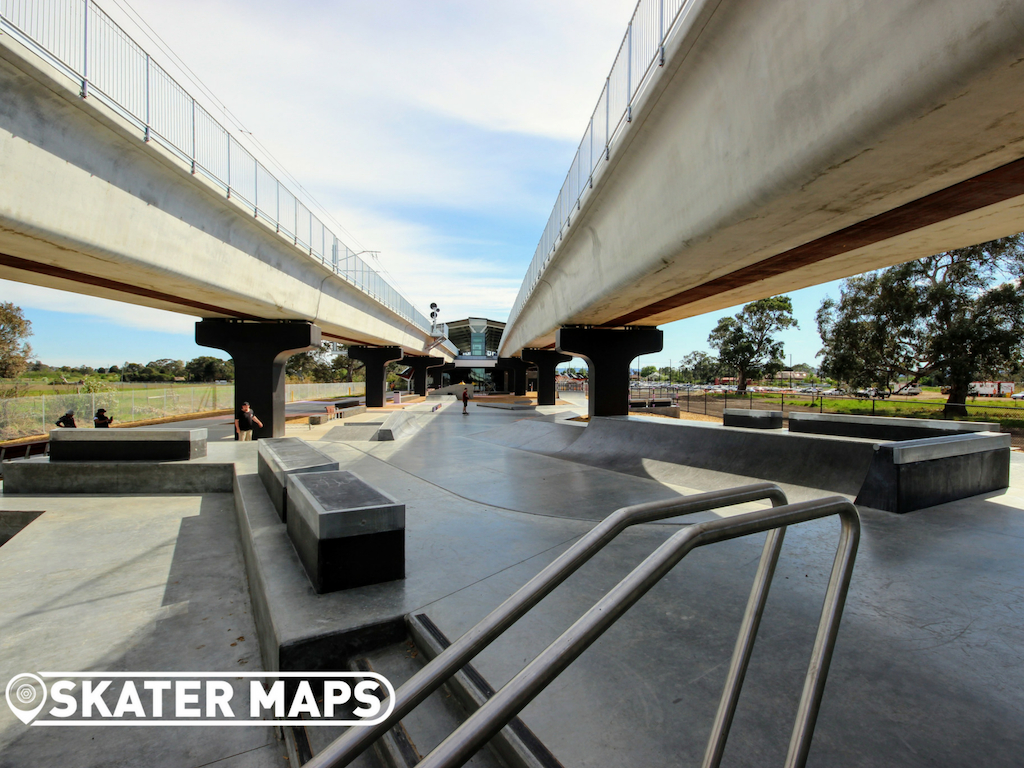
{"x":127,"y":315}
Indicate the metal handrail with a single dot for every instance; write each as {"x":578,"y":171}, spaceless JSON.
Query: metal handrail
{"x":478,"y":729}
{"x":343,"y":750}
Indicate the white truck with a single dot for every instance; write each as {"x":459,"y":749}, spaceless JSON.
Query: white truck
{"x":991,"y":388}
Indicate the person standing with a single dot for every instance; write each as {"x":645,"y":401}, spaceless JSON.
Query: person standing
{"x":465,"y":400}
{"x":244,"y":420}
{"x":101,"y":420}
{"x":67,"y":420}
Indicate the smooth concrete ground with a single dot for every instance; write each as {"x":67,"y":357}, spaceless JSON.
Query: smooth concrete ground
{"x":122,"y":583}
{"x":929,"y":667}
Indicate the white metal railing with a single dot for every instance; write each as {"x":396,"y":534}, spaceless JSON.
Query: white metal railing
{"x":640,"y":54}
{"x":86,"y":45}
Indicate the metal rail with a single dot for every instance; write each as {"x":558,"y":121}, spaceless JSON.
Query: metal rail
{"x":350,"y":745}
{"x":83,"y":43}
{"x":641,"y":54}
{"x":464,"y":742}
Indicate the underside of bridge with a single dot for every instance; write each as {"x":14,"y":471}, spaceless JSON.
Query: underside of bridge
{"x":787,"y":145}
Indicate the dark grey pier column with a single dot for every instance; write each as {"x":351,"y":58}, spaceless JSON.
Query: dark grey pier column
{"x":609,"y":353}
{"x":498,"y":378}
{"x":260,"y":351}
{"x":419,"y":365}
{"x":375,"y":359}
{"x":546,"y":361}
{"x":518,"y":367}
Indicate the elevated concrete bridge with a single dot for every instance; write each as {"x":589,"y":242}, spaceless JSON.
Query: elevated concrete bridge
{"x":778,"y":146}
{"x":153,"y":203}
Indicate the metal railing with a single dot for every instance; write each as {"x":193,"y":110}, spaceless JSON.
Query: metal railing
{"x":506,"y":703}
{"x":640,"y":54}
{"x":86,"y":45}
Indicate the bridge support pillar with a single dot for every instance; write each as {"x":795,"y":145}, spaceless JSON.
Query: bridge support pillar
{"x":609,"y":353}
{"x":374,"y":360}
{"x":435,"y":375}
{"x":498,"y":378}
{"x":419,"y":365}
{"x":518,"y":367}
{"x":259,"y":351}
{"x":546,"y":361}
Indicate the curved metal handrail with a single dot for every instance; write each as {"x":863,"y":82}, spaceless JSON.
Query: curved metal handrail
{"x":343,"y":750}
{"x":478,"y":729}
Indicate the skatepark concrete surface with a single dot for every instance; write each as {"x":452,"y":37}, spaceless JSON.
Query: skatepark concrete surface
{"x":928,"y":668}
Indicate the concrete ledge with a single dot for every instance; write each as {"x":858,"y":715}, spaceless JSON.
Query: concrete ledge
{"x":509,"y":406}
{"x":352,"y":410}
{"x":929,"y":474}
{"x":40,"y":476}
{"x":882,"y":427}
{"x":946,"y":446}
{"x":751,"y":419}
{"x":347,"y":533}
{"x":282,"y":456}
{"x":672,"y":411}
{"x":280,"y":592}
{"x":127,"y":444}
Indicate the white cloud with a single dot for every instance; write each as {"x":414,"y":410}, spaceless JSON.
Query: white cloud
{"x":127,"y":315}
{"x":405,"y":101}
{"x":416,"y":263}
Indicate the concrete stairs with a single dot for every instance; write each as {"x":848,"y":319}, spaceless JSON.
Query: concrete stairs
{"x":430,"y":723}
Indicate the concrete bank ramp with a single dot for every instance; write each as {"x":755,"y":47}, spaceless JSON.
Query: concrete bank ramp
{"x":537,"y":435}
{"x":682,"y":453}
{"x":382,"y":427}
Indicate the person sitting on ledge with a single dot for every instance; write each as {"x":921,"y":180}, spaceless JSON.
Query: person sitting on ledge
{"x":67,"y":420}
{"x":101,"y":420}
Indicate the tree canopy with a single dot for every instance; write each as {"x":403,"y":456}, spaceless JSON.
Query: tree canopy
{"x":14,"y":351}
{"x":956,"y":316}
{"x":746,"y":341}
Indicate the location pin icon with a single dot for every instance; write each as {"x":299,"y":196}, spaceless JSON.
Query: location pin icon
{"x":22,"y":692}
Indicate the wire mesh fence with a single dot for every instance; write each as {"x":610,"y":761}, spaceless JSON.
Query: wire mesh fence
{"x":27,"y":416}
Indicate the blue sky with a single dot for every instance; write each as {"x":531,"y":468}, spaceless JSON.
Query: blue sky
{"x":436,"y":133}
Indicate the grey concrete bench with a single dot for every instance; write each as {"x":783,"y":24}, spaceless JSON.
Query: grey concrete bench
{"x":346,"y":532}
{"x":127,"y":444}
{"x":283,"y":456}
{"x":751,"y":419}
{"x":914,"y":474}
{"x":882,"y":427}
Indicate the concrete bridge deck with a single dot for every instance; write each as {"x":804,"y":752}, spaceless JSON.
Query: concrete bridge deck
{"x":928,"y":668}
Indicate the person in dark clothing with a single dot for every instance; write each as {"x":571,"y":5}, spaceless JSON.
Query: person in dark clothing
{"x":244,"y":420}
{"x":465,"y":400}
{"x":101,"y":420}
{"x":67,"y":420}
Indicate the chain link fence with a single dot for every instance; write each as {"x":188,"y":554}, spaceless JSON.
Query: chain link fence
{"x":27,"y":416}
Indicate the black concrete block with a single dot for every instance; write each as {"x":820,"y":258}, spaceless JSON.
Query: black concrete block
{"x":904,"y":488}
{"x":750,"y":419}
{"x":127,"y":444}
{"x":283,"y":456}
{"x":346,"y":532}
